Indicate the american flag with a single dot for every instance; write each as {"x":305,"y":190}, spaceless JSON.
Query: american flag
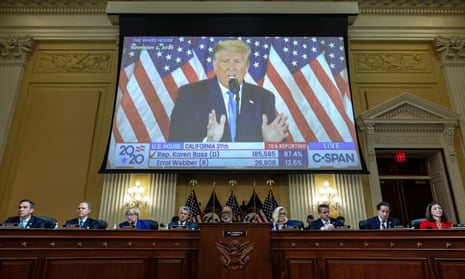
{"x":308,"y":76}
{"x":236,"y":210}
{"x":193,"y":204}
{"x":213,"y":208}
{"x":255,"y":209}
{"x":269,"y":205}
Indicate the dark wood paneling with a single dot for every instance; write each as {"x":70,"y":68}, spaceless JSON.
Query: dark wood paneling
{"x":120,"y":267}
{"x":380,"y":268}
{"x":451,"y":268}
{"x":20,"y":268}
{"x":339,"y":254}
{"x":353,"y":254}
{"x":300,"y":268}
{"x":108,"y":254}
{"x":168,"y":268}
{"x":247,"y":251}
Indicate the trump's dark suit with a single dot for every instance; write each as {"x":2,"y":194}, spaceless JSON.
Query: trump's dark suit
{"x":33,"y":222}
{"x":189,"y":118}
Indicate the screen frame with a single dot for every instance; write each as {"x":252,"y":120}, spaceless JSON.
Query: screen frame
{"x":219,"y":24}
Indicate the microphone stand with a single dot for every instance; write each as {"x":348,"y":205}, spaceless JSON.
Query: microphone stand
{"x":235,"y":88}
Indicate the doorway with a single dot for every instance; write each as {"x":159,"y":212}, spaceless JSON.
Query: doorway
{"x":411,"y":184}
{"x":408,"y":197}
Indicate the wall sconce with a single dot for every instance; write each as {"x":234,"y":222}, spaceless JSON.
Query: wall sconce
{"x":328,"y":195}
{"x":135,"y":196}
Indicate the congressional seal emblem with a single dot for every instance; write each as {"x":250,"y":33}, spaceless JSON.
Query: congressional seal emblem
{"x":235,"y":256}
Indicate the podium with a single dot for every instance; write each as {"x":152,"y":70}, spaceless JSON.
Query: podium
{"x":234,"y":250}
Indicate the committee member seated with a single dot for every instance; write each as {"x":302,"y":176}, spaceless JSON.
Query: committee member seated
{"x":226,"y":214}
{"x":83,"y":220}
{"x":183,"y":220}
{"x":325,"y":222}
{"x":25,"y":218}
{"x":279,"y":217}
{"x":133,"y":214}
{"x":435,"y":218}
{"x":382,"y":220}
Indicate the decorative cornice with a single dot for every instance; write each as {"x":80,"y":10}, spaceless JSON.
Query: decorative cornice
{"x":74,"y":63}
{"x":417,"y":7}
{"x":13,"y":48}
{"x":451,"y":50}
{"x":391,"y":62}
{"x":53,"y":6}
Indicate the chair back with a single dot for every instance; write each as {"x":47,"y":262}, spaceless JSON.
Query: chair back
{"x":101,"y":224}
{"x":295,"y":224}
{"x":363,"y":224}
{"x":415,"y":223}
{"x":50,"y":223}
{"x":153,"y":224}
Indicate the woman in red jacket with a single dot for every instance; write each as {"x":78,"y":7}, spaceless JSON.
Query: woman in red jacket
{"x":435,"y":218}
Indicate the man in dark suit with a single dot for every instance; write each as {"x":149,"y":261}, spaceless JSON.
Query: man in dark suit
{"x":183,"y":220}
{"x":83,"y":220}
{"x":382,"y":220}
{"x":325,"y":222}
{"x":202,"y":112}
{"x":25,"y":218}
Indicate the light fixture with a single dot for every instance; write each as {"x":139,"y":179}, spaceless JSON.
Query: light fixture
{"x":328,"y":195}
{"x":135,"y":196}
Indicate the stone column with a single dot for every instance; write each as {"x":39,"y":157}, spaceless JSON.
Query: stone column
{"x":14,"y":53}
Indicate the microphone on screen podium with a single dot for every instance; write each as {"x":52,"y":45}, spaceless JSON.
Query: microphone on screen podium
{"x":234,"y":86}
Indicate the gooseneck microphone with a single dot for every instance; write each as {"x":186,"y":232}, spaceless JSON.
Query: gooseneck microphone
{"x":234,"y":86}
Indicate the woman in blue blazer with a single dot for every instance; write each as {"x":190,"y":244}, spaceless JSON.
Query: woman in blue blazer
{"x":132,"y":214}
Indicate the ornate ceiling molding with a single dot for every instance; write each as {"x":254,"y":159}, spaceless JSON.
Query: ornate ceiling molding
{"x":451,"y":49}
{"x":14,"y":48}
{"x":417,"y":7}
{"x":53,"y":6}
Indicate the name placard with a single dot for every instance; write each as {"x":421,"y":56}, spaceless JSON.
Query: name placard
{"x":235,"y":233}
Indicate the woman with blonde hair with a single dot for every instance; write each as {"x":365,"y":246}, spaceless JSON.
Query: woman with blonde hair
{"x":279,"y":218}
{"x":133,"y":221}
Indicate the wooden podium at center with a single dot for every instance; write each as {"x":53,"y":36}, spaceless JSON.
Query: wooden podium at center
{"x":234,"y":250}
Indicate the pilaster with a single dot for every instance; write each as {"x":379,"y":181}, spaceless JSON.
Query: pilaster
{"x":14,"y":52}
{"x":451,"y":51}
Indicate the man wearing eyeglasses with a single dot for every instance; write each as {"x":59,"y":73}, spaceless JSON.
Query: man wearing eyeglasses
{"x":226,"y":214}
{"x":325,"y":222}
